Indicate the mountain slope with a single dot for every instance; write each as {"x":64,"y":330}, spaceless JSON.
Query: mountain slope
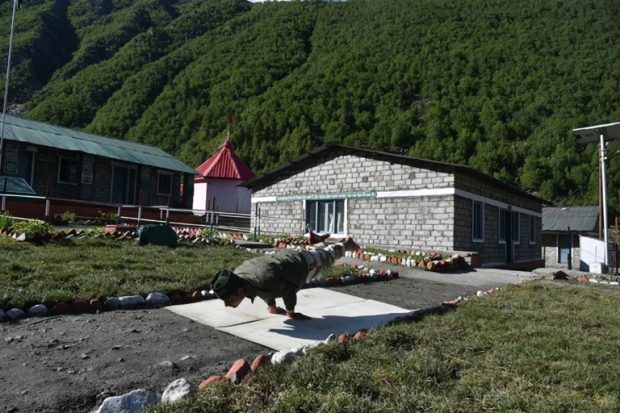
{"x":494,"y":84}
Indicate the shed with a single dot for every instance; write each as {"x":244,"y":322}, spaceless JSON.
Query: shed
{"x":561,"y":228}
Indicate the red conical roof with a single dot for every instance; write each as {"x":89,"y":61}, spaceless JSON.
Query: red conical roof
{"x":225,"y":164}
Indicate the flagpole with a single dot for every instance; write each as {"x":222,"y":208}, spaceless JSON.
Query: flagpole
{"x":6,"y":82}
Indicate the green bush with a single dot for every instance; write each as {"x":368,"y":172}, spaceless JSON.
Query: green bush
{"x":34,"y":227}
{"x":6,"y":222}
{"x":68,"y":216}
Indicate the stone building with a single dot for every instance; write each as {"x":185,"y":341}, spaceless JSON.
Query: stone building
{"x":69,"y":164}
{"x":562,"y":228}
{"x":391,"y":201}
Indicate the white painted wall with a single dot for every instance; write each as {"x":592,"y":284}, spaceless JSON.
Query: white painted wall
{"x":223,"y":196}
{"x":592,"y":250}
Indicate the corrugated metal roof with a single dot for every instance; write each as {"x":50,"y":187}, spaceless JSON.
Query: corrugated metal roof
{"x":225,"y":164}
{"x":578,"y":218}
{"x":43,"y":134}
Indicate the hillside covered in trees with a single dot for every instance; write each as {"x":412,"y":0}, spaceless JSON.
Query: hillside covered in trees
{"x":494,"y":84}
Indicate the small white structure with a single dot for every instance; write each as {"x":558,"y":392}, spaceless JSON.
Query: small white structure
{"x":216,"y":188}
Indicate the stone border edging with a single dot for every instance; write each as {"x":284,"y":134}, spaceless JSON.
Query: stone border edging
{"x":180,"y":389}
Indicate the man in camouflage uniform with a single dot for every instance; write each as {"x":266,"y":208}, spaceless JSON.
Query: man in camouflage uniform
{"x":277,"y":276}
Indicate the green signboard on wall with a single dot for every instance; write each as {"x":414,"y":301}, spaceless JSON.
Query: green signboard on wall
{"x":315,"y":197}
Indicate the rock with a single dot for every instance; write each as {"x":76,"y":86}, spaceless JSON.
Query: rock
{"x":284,"y":356}
{"x":21,"y":237}
{"x":95,"y":304}
{"x":80,"y":306}
{"x":176,"y":298}
{"x":258,"y":362}
{"x":560,"y":275}
{"x":320,"y":281}
{"x":216,"y":378}
{"x":131,"y":402}
{"x":349,"y":279}
{"x":157,"y":299}
{"x":129,"y":301}
{"x":167,"y":364}
{"x":451,"y":303}
{"x":177,"y":390}
{"x":15,"y":313}
{"x":37,"y":310}
{"x":238,"y":371}
{"x":60,"y":308}
{"x":481,"y":293}
{"x":358,"y":336}
{"x":330,"y":338}
{"x":112,"y":303}
{"x":306,"y":348}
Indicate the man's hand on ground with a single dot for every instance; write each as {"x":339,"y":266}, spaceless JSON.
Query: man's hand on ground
{"x":276,"y":310}
{"x":298,"y":316}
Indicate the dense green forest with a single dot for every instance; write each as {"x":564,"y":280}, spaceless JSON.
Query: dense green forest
{"x":494,"y":84}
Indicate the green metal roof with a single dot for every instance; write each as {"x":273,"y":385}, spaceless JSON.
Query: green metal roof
{"x":43,"y":134}
{"x":578,"y":218}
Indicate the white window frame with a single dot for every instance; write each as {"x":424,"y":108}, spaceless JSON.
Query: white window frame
{"x":71,"y":158}
{"x":473,"y":221}
{"x":322,"y":202}
{"x":170,"y":176}
{"x":532,"y":235}
{"x":515,"y":233}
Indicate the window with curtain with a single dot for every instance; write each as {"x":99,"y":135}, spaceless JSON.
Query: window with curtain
{"x":325,"y":216}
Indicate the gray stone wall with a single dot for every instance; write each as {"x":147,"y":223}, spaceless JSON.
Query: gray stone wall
{"x":423,"y":223}
{"x":488,"y":190}
{"x":355,"y":174}
{"x":279,"y":218}
{"x":490,"y":250}
{"x":420,"y":222}
{"x":527,"y":251}
{"x":550,"y":251}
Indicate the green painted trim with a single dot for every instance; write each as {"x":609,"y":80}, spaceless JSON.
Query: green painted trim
{"x":315,"y":197}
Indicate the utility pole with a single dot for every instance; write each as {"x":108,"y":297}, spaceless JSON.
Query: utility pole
{"x":6,"y":83}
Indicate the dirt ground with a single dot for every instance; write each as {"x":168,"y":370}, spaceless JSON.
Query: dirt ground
{"x":71,"y":363}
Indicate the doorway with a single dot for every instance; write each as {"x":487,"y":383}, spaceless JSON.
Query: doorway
{"x":123,"y":185}
{"x":563,"y":248}
{"x":25,"y":161}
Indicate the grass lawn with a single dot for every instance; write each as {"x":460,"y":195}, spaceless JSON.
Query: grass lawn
{"x":541,"y":347}
{"x":102,"y":267}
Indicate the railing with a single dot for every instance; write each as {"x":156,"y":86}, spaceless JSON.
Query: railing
{"x":47,"y":209}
